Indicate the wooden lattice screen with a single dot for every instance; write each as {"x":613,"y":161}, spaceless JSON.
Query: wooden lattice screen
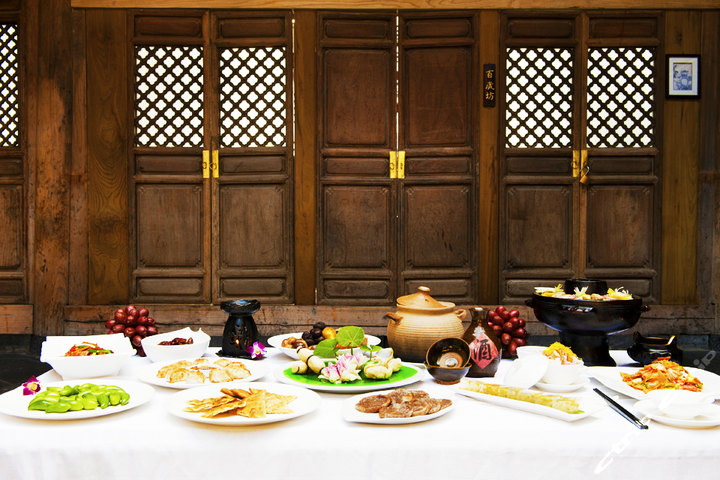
{"x":253,"y":98}
{"x":9,"y":86}
{"x":539,"y":98}
{"x":620,"y":97}
{"x":168,"y":96}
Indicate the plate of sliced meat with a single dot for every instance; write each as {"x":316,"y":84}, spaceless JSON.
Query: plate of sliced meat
{"x":397,"y":407}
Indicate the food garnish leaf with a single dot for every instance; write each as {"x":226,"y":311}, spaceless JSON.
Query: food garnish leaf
{"x":326,"y":348}
{"x":350,"y":337}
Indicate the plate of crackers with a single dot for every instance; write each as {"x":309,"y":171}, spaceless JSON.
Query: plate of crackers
{"x":397,"y":407}
{"x":193,"y":372}
{"x":243,"y":404}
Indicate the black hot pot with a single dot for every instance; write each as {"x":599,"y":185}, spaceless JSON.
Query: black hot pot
{"x":584,"y":325}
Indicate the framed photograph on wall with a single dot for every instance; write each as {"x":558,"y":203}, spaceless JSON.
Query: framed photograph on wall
{"x":682,"y":73}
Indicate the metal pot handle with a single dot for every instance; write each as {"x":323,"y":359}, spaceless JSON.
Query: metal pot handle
{"x":395,"y":317}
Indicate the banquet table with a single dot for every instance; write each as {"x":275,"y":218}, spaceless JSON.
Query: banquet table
{"x":475,"y":440}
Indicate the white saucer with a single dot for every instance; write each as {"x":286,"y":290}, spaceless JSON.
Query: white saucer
{"x":563,"y":388}
{"x":710,"y":418}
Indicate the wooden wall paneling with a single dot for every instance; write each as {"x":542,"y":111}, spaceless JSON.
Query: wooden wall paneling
{"x":54,"y":136}
{"x":78,"y":261}
{"x":487,"y":173}
{"x":305,"y":134}
{"x":680,"y":171}
{"x":107,"y":153}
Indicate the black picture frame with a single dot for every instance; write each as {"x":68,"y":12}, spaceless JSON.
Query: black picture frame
{"x":682,"y":76}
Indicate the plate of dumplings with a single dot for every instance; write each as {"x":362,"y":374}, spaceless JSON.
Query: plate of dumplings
{"x":189,"y":373}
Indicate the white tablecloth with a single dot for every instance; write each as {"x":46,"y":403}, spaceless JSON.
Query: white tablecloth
{"x":476,"y":440}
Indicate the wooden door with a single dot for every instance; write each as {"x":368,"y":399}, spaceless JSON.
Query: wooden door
{"x":436,"y":201}
{"x":212,"y":157}
{"x":382,"y":236}
{"x":356,"y":132}
{"x":252,"y":192}
{"x":580,"y":159}
{"x":13,"y":255}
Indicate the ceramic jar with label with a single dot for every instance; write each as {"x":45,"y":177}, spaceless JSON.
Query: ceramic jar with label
{"x":485,"y":348}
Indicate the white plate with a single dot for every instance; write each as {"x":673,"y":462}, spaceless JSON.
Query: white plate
{"x":649,"y":409}
{"x":610,"y":377}
{"x":352,"y":388}
{"x":149,"y":373}
{"x":276,"y":341}
{"x":589,"y":405}
{"x":305,"y":403}
{"x":351,"y":414}
{"x":15,"y":403}
{"x":560,"y":388}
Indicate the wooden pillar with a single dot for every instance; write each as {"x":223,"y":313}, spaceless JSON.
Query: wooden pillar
{"x":50,"y":92}
{"x":681,"y":140}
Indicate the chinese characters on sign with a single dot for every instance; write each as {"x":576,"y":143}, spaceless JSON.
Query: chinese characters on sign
{"x":489,"y":85}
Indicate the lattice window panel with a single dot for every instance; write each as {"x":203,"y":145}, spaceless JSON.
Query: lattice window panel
{"x":620,"y":97}
{"x":168,"y":96}
{"x":9,"y":86}
{"x":253,"y":99}
{"x":539,"y":98}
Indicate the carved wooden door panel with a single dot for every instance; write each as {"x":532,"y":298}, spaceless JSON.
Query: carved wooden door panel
{"x":580,"y":159}
{"x":252,"y":193}
{"x":437,"y":194}
{"x":379,"y":235}
{"x":211,"y":201}
{"x":356,"y":218}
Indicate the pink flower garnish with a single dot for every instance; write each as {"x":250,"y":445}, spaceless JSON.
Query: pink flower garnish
{"x":257,"y":350}
{"x":31,"y":387}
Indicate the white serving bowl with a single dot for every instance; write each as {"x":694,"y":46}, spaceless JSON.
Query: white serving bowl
{"x":559,"y":374}
{"x":528,"y":350}
{"x":680,"y":404}
{"x":54,"y":348}
{"x":167,"y":353}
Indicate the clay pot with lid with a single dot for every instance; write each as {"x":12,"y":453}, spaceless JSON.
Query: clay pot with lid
{"x":420,"y":321}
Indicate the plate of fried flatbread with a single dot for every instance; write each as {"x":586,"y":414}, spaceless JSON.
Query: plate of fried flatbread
{"x":243,"y":403}
{"x":193,"y":372}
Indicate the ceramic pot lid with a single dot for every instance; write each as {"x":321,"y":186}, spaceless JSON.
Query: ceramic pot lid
{"x":420,"y":299}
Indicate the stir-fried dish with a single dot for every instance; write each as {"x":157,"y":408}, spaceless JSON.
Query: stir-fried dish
{"x":662,"y":373}
{"x":86,"y":349}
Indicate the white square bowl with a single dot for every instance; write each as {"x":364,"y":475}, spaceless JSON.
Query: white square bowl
{"x":167,"y":353}
{"x":54,"y":348}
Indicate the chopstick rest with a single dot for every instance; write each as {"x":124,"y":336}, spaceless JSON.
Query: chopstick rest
{"x":622,"y":411}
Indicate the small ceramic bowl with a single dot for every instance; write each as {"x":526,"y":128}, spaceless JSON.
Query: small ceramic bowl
{"x":446,"y":375}
{"x":449,"y":352}
{"x":559,"y":374}
{"x":448,"y":360}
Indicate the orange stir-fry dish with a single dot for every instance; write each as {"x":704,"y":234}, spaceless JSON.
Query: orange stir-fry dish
{"x":662,"y":373}
{"x":85,"y":349}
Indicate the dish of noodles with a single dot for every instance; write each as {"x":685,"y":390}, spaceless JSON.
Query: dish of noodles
{"x":662,"y":373}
